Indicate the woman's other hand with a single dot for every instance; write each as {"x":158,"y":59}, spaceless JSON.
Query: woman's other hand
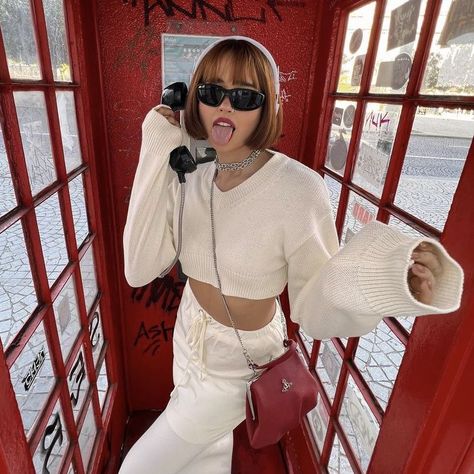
{"x":423,"y":272}
{"x":168,"y":114}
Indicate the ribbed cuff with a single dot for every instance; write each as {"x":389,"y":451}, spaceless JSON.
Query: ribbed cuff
{"x":382,"y":275}
{"x":160,"y":136}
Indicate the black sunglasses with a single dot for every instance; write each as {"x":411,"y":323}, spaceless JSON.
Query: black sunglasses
{"x":240,"y":98}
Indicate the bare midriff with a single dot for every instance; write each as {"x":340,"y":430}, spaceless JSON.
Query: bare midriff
{"x":247,"y":314}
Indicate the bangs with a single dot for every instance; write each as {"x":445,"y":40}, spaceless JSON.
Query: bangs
{"x":240,"y":65}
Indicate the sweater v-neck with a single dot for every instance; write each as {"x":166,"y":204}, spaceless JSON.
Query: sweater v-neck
{"x":255,"y":181}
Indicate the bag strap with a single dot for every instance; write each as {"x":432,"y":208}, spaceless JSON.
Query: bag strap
{"x":252,"y":365}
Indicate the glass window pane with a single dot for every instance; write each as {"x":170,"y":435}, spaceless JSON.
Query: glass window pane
{"x":373,"y":156}
{"x":338,"y":462}
{"x":8,"y":200}
{"x":78,"y":383}
{"x":356,"y":42}
{"x":378,"y":357}
{"x":96,"y":335}
{"x":334,"y":189}
{"x":55,"y":24}
{"x":89,"y":281}
{"x":102,"y":384}
{"x":434,"y":160}
{"x":66,"y":314}
{"x":19,"y":39}
{"x":17,"y":292}
{"x":87,"y":436}
{"x":50,"y":226}
{"x":328,"y":367}
{"x":55,"y":439}
{"x":396,"y":49}
{"x":340,"y":135}
{"x":359,"y":212}
{"x":35,"y":137}
{"x":359,"y":424}
{"x":79,"y":211}
{"x":33,"y":378}
{"x":318,"y":419}
{"x":450,"y":66}
{"x":69,"y":134}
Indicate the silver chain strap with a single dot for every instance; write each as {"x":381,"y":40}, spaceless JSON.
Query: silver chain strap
{"x":238,"y":165}
{"x":252,"y":365}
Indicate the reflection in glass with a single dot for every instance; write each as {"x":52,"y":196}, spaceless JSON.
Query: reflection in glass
{"x":35,"y":137}
{"x":338,"y":462}
{"x":55,"y":440}
{"x":79,"y":211}
{"x":69,"y":133}
{"x":356,"y":42}
{"x":66,"y":314}
{"x":7,"y":193}
{"x":19,"y":39}
{"x":334,"y":189}
{"x":17,"y":292}
{"x":78,"y":383}
{"x":89,"y":281}
{"x":378,"y":357}
{"x":435,"y":157}
{"x":375,"y":148}
{"x":87,"y":436}
{"x":33,"y":378}
{"x":359,"y":424}
{"x":396,"y":48}
{"x":102,"y":384}
{"x":359,"y":212}
{"x":55,"y":24}
{"x":328,"y":367}
{"x":340,"y":135}
{"x":50,"y":226}
{"x":450,"y":66}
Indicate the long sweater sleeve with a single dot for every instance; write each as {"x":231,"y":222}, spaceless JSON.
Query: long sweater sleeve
{"x":148,"y":242}
{"x":347,"y":292}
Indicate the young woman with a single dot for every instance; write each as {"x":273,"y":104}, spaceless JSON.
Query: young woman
{"x":273,"y":226}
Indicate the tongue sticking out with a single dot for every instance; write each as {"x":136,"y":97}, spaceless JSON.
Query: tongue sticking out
{"x":221,"y":134}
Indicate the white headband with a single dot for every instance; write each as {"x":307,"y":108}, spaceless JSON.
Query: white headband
{"x":276,"y":71}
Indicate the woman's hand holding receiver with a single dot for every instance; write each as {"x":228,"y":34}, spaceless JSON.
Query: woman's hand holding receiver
{"x":168,"y":113}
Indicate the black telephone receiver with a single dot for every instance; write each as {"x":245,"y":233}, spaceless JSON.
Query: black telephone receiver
{"x":181,"y":160}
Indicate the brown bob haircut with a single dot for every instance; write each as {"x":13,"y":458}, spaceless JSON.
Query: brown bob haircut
{"x":248,"y":62}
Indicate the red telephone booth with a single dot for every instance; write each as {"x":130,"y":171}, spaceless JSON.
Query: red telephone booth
{"x":378,"y":98}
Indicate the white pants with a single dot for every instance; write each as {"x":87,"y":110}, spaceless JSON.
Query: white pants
{"x":194,"y":433}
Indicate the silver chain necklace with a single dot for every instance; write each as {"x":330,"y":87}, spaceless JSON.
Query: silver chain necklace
{"x":239,"y":164}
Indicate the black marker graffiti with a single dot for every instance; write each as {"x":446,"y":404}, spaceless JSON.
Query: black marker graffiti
{"x":165,"y":288}
{"x":78,"y":379}
{"x":94,"y":330}
{"x":30,"y":377}
{"x":202,"y":7}
{"x":154,"y":334}
{"x":53,"y":428}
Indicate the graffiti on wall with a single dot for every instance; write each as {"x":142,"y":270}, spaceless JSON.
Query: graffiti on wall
{"x":285,"y":78}
{"x":203,"y":9}
{"x":166,"y":290}
{"x":150,"y":337}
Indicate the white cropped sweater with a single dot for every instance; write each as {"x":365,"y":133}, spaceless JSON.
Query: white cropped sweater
{"x":274,"y":228}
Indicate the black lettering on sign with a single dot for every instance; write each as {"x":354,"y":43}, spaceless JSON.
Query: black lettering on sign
{"x":94,"y":330}
{"x":165,"y":289}
{"x":79,"y":371}
{"x":30,"y":377}
{"x":152,"y":336}
{"x":199,"y":9}
{"x":54,"y":428}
